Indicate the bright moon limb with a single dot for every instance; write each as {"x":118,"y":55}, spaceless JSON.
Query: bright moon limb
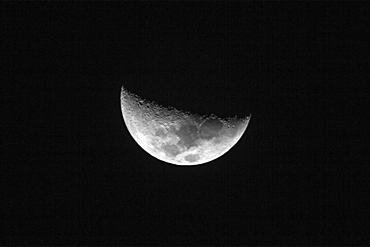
{"x":178,"y":137}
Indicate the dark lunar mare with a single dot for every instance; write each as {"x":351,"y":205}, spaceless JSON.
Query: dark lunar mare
{"x":188,"y":135}
{"x":170,"y":149}
{"x":210,"y":128}
{"x":192,"y":157}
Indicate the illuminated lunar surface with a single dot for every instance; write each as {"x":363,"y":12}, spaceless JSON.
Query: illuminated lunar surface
{"x":178,"y":137}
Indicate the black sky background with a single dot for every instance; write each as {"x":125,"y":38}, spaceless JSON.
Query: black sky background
{"x":74,"y":175}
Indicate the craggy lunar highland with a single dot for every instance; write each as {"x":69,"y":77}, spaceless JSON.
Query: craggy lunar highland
{"x":177,"y":137}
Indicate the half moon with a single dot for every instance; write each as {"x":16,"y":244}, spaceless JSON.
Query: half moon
{"x":172,"y":136}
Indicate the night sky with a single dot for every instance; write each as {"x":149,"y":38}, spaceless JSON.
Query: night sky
{"x":75,"y":176}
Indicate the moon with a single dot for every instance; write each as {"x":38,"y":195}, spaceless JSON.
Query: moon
{"x":173,"y":136}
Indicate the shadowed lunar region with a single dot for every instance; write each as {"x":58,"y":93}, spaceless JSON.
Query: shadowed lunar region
{"x":178,"y":137}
